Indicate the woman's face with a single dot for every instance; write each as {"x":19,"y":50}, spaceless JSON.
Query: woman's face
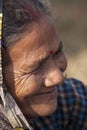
{"x":36,"y":64}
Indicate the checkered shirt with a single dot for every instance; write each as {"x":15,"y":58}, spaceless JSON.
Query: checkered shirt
{"x":71,"y":113}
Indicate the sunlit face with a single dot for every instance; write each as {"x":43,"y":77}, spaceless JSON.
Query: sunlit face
{"x":36,"y":64}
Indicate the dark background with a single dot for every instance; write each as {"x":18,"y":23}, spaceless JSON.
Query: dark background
{"x":71,"y":23}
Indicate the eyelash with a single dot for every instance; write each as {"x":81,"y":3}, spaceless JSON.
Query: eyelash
{"x":38,"y":66}
{"x":58,"y":51}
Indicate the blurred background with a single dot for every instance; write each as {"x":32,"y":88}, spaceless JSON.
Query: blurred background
{"x":71,"y":23}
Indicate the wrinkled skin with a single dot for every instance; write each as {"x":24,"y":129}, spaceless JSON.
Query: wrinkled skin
{"x":35,"y":66}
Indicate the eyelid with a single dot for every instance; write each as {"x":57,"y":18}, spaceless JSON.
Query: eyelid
{"x":35,"y":68}
{"x":60,"y":48}
{"x":39,"y":64}
{"x":42,"y":61}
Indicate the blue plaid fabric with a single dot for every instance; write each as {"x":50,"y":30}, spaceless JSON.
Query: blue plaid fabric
{"x":71,"y":113}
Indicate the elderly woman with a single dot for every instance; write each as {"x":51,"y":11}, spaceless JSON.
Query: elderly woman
{"x":35,"y":94}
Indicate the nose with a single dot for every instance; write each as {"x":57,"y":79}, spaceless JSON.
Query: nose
{"x":53,"y":76}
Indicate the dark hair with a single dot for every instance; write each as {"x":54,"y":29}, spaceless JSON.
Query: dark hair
{"x":17,"y":14}
{"x":1,"y":6}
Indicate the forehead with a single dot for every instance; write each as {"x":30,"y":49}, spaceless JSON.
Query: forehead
{"x":39,"y":41}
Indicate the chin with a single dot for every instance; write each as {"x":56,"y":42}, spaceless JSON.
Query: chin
{"x":41,"y":110}
{"x":47,"y":112}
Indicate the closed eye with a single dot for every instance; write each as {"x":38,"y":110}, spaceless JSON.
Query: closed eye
{"x":39,"y":65}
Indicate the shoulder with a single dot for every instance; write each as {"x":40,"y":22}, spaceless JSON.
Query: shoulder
{"x":72,"y":92}
{"x":73,"y":85}
{"x":72,"y":103}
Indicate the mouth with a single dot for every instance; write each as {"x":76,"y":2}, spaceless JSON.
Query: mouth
{"x":45,"y":92}
{"x":49,"y":92}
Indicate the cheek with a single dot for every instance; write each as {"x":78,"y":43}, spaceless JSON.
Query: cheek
{"x":27,"y":85}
